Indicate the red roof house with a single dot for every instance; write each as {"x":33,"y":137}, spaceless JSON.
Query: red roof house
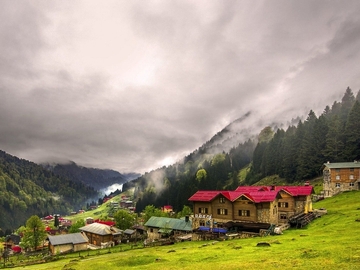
{"x":255,"y":204}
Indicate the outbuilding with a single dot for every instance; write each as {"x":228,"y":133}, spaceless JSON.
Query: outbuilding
{"x":71,"y":242}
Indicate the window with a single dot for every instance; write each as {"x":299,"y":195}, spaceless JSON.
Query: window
{"x":244,"y":213}
{"x":352,"y":184}
{"x":351,"y":169}
{"x":283,"y":204}
{"x":337,"y":170}
{"x":222,"y":211}
{"x":351,"y":176}
{"x":222,"y":200}
{"x":337,"y":185}
{"x":338,"y":177}
{"x":203,"y":210}
{"x":283,"y":216}
{"x":202,"y":222}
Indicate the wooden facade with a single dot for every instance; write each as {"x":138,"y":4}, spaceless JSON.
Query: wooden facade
{"x":339,"y":177}
{"x":11,"y":241}
{"x":99,"y":234}
{"x":265,"y":205}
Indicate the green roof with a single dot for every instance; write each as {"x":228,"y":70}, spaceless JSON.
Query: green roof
{"x":340,"y":165}
{"x":169,"y":223}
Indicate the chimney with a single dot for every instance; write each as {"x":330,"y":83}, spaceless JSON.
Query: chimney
{"x":186,"y":218}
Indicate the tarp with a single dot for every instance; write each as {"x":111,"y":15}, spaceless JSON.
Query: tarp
{"x":203,"y":228}
{"x":219,"y":230}
{"x":16,"y":249}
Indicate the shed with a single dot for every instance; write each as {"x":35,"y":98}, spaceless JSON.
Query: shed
{"x":158,"y":226}
{"x":67,"y":242}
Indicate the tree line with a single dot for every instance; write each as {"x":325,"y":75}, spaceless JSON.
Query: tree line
{"x":299,"y":152}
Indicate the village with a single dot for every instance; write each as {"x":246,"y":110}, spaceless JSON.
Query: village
{"x":247,"y":211}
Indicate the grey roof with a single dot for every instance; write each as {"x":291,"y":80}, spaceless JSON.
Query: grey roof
{"x":100,"y":229}
{"x":344,"y":165}
{"x":13,"y":237}
{"x":169,"y":223}
{"x":129,"y":231}
{"x":71,"y":238}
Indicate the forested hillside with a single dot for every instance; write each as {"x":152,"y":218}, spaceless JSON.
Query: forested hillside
{"x":27,"y":189}
{"x":96,"y":178}
{"x":295,"y":154}
{"x":299,"y":152}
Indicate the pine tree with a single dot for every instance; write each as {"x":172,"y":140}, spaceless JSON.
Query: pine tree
{"x":346,"y":104}
{"x":334,"y":142}
{"x":352,"y":134}
{"x":309,"y":150}
{"x":288,"y":170}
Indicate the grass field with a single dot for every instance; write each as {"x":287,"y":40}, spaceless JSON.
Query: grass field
{"x":329,"y":242}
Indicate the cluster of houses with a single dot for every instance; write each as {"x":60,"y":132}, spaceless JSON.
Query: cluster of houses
{"x":243,"y":211}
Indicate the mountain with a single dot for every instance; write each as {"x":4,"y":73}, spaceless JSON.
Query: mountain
{"x":96,"y":178}
{"x":28,"y":189}
{"x":235,"y":156}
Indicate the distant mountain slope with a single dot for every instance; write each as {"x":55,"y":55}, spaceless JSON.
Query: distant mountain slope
{"x":28,"y":189}
{"x":96,"y":178}
{"x":295,"y":152}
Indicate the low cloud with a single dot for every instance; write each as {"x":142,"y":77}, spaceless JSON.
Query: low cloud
{"x":131,"y":85}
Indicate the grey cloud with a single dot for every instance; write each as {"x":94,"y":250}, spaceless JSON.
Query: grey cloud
{"x":209,"y":64}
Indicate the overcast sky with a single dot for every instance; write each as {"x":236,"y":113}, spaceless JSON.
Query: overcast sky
{"x":135,"y":85}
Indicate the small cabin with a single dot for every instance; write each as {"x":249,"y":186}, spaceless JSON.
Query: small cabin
{"x":101,"y":233}
{"x":71,"y":242}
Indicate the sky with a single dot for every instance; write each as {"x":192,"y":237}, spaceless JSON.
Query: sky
{"x":136,"y":85}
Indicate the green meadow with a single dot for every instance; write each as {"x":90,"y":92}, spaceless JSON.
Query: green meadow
{"x":329,"y":242}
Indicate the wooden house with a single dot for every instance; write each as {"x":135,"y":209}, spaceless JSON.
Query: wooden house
{"x":101,"y":233}
{"x":240,"y":209}
{"x":167,"y":209}
{"x":339,"y":177}
{"x":159,"y":227}
{"x":71,"y":242}
{"x":11,"y":241}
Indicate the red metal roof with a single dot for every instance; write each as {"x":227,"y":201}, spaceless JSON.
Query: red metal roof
{"x":264,"y":196}
{"x":204,"y":195}
{"x":105,"y":222}
{"x":256,"y":194}
{"x":248,"y":188}
{"x":298,"y":190}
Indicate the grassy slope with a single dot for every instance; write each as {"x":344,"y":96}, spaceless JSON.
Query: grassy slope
{"x":329,"y":242}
